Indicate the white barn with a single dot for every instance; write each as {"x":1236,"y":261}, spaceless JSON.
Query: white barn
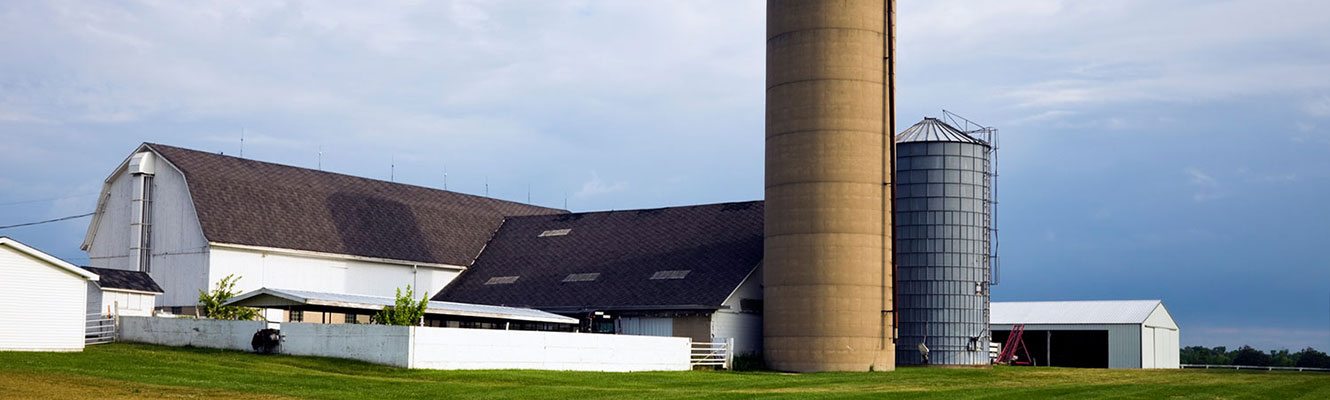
{"x":42,"y":300}
{"x":189,"y":219}
{"x":122,"y":293}
{"x":1092,"y":334}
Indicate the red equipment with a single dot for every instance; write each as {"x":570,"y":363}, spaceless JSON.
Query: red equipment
{"x":1014,"y":342}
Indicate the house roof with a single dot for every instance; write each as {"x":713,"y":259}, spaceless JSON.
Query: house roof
{"x":6,"y":241}
{"x":667,"y":258}
{"x":125,"y":280}
{"x":1073,"y":312}
{"x":269,"y":297}
{"x":255,"y":203}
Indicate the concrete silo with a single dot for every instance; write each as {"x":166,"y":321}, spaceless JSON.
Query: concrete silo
{"x":943,"y":204}
{"x":827,"y":266}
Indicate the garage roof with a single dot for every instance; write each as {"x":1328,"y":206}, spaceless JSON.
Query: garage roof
{"x":126,"y":280}
{"x":1073,"y":312}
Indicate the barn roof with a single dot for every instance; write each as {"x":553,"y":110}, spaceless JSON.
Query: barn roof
{"x":667,"y":258}
{"x":1073,"y":312}
{"x":248,"y":202}
{"x":126,"y":280}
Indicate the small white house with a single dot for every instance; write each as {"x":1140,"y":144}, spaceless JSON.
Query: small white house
{"x":120,"y":292}
{"x":1091,"y":334}
{"x":42,"y":300}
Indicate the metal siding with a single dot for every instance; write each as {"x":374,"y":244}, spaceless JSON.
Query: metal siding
{"x":1147,"y":347}
{"x":1124,"y":340}
{"x":942,"y":252}
{"x":42,"y":307}
{"x":647,"y":326}
{"x":180,"y":252}
{"x":260,"y":269}
{"x":744,"y":328}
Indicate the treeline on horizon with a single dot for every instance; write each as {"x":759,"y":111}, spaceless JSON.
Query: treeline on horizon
{"x":1246,"y":355}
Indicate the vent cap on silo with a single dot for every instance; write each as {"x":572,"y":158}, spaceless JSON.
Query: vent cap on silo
{"x":934,"y":130}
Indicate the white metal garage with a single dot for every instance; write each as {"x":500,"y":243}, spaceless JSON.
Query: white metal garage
{"x":42,"y":300}
{"x":1094,"y":334}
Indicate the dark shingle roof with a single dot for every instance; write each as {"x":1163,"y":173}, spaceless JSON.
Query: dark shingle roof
{"x":255,"y":203}
{"x":122,"y":279}
{"x":718,"y":244}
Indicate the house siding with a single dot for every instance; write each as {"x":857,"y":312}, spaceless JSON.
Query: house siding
{"x":41,"y":306}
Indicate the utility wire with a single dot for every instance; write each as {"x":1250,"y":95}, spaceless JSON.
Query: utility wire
{"x":48,"y":199}
{"x":47,"y":221}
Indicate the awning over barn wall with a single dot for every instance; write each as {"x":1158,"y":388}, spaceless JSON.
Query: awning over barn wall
{"x":285,"y":298}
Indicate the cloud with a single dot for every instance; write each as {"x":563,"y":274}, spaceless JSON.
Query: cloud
{"x":1207,"y":187}
{"x":1318,"y":107}
{"x":596,"y":187}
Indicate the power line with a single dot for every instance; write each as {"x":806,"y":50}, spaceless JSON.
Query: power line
{"x":48,"y":199}
{"x":47,"y":221}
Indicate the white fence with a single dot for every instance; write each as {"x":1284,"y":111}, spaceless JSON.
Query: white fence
{"x":1253,"y":367}
{"x":712,"y":354}
{"x":428,"y":348}
{"x":98,"y":329}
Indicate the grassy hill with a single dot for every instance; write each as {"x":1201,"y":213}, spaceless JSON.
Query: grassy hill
{"x":139,"y":371}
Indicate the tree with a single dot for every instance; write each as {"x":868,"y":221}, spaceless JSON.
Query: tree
{"x":1310,"y":358}
{"x":407,"y":311}
{"x":213,"y":304}
{"x":1249,"y":356}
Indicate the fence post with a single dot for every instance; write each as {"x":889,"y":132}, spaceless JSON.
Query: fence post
{"x":729,"y":353}
{"x":115,"y":322}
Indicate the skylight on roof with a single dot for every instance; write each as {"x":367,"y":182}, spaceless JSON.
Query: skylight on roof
{"x":501,"y":280}
{"x":586,"y":277}
{"x":672,"y":274}
{"x":555,"y":232}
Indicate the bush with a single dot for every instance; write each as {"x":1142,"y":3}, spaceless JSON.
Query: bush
{"x":407,"y":311}
{"x":749,"y":362}
{"x":212,"y":304}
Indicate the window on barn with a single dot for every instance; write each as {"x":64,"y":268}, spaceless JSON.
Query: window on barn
{"x":555,"y":232}
{"x":297,"y":316}
{"x":674,"y":274}
{"x":501,"y":280}
{"x":584,"y":277}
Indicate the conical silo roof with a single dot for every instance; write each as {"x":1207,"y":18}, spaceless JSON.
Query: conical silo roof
{"x":934,"y":130}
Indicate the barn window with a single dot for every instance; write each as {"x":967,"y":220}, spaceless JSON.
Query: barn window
{"x":585,"y":277}
{"x":145,"y":226}
{"x":501,"y":280}
{"x":555,"y":232}
{"x":297,"y":316}
{"x":671,"y":274}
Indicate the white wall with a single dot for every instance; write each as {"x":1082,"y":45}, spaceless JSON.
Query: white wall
{"x":130,"y":303}
{"x":456,"y":348}
{"x":1159,"y":340}
{"x":42,"y":306}
{"x":207,"y":333}
{"x":744,"y":327}
{"x":180,"y":252}
{"x":379,"y":344}
{"x":1124,"y":341}
{"x":273,"y":269}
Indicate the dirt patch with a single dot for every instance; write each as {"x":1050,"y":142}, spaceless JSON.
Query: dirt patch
{"x":15,"y":385}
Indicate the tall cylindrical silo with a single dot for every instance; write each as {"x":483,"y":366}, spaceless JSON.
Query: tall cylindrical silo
{"x":827,"y":266}
{"x":942,"y":245}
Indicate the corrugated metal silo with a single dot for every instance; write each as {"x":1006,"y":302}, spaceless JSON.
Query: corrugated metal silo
{"x":942,"y":239}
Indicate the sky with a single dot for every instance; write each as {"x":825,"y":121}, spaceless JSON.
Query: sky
{"x":1150,"y":149}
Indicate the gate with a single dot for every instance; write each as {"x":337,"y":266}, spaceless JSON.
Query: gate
{"x":712,"y":354}
{"x":99,"y":329}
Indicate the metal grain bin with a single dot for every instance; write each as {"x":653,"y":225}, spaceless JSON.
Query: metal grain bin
{"x":942,"y":245}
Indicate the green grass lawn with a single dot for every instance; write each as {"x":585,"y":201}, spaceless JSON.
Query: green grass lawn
{"x":143,"y":371}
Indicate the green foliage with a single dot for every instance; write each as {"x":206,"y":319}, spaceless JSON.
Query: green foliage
{"x":406,"y":311}
{"x":211,"y":304}
{"x":749,"y":362}
{"x":1310,"y":358}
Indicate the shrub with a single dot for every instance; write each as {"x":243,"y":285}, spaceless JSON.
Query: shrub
{"x":406,"y":311}
{"x":212,"y":305}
